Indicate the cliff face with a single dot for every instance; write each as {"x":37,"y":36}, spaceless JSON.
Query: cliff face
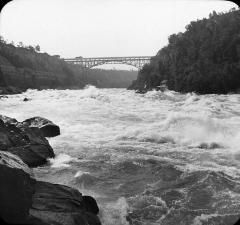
{"x":24,"y":68}
{"x":203,"y":59}
{"x":29,"y":78}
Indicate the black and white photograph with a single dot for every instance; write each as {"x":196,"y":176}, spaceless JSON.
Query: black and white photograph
{"x":120,"y":112}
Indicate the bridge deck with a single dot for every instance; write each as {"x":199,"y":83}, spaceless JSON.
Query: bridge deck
{"x":137,"y":61}
{"x":108,"y":58}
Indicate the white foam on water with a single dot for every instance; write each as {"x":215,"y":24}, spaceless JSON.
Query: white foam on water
{"x":178,"y":128}
{"x":92,"y":92}
{"x":189,"y":130}
{"x":199,"y":220}
{"x":197,"y":130}
{"x":114,"y":213}
{"x":80,"y":173}
{"x":191,"y":97}
{"x":61,"y":160}
{"x":144,"y":201}
{"x":159,"y":95}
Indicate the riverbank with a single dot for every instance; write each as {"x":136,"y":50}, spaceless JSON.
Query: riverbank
{"x":22,"y":67}
{"x":204,"y":59}
{"x":10,"y":90}
{"x":26,"y":200}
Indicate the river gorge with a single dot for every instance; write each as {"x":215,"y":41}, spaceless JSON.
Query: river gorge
{"x":148,"y":159}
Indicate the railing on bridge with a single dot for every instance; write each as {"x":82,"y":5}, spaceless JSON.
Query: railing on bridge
{"x":137,"y":61}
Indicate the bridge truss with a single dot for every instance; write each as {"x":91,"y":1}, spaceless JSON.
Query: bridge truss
{"x":136,"y":61}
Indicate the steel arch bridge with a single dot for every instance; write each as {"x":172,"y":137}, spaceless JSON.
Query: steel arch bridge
{"x":136,"y":61}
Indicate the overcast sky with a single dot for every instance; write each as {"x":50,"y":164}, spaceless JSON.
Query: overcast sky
{"x":93,"y":28}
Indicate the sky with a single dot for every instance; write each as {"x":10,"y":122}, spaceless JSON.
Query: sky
{"x":98,"y":28}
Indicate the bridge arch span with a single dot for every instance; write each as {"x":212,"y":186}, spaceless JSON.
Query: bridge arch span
{"x":136,"y":61}
{"x":123,"y":63}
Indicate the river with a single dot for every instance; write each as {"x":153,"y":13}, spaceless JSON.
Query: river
{"x":148,"y":159}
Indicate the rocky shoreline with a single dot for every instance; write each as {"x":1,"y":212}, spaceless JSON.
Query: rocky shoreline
{"x":10,"y":90}
{"x":25,"y":200}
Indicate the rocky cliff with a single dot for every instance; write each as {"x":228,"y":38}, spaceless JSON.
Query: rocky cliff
{"x":24,"y":68}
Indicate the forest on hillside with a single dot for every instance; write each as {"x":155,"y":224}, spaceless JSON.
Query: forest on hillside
{"x":25,"y":67}
{"x":203,"y":59}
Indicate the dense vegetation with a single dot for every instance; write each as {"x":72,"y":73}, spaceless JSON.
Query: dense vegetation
{"x":28,"y":57}
{"x":203,"y":59}
{"x":32,"y":69}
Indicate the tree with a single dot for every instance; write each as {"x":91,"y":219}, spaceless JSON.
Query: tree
{"x":204,"y":59}
{"x":37,"y":48}
{"x":2,"y":40}
{"x":20,"y":44}
{"x":31,"y":48}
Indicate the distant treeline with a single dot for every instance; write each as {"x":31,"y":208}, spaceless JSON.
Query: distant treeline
{"x":203,"y":59}
{"x":25,"y":67}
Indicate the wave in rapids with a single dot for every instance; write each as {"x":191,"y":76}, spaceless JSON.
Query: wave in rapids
{"x":61,"y":160}
{"x":148,"y":159}
{"x":189,"y":130}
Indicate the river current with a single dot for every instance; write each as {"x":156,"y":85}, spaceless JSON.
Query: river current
{"x":148,"y":159}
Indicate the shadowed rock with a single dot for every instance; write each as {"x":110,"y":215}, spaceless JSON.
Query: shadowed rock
{"x":67,"y":204}
{"x":48,"y":128}
{"x":26,"y":99}
{"x":7,"y":119}
{"x":26,"y":142}
{"x":23,"y":200}
{"x":16,"y":189}
{"x":90,"y":204}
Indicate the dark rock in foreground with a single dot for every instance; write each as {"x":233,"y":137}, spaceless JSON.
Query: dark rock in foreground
{"x":26,"y":99}
{"x":91,"y":204}
{"x":16,"y":189}
{"x":3,"y":96}
{"x":58,"y":204}
{"x":26,"y":142}
{"x":23,"y":200}
{"x":48,"y":128}
{"x":7,"y":119}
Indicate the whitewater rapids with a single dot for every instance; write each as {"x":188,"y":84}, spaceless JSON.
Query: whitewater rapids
{"x":148,"y":159}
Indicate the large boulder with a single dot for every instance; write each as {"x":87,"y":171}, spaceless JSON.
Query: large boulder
{"x":23,"y":200}
{"x":16,"y":189}
{"x":48,"y":128}
{"x":7,"y":119}
{"x":26,"y":142}
{"x":59,"y":204}
{"x":90,"y":204}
